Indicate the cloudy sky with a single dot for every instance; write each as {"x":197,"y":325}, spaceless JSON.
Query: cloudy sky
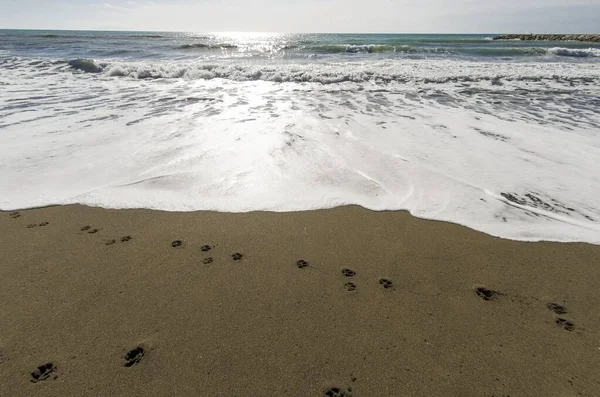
{"x":404,"y":16}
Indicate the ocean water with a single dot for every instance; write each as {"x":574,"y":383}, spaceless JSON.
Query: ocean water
{"x":500,"y":136}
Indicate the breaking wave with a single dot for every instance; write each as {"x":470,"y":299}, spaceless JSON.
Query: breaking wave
{"x":85,"y":65}
{"x":406,"y":71}
{"x":570,"y":52}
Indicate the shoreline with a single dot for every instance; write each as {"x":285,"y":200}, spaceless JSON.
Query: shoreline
{"x":147,"y":302}
{"x":267,"y":212}
{"x":591,"y":38}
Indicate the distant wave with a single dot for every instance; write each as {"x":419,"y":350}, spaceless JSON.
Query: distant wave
{"x":570,"y":52}
{"x":88,"y":35}
{"x":351,"y":48}
{"x":148,"y":36}
{"x":207,"y":46}
{"x":505,"y":52}
{"x":56,"y":36}
{"x":479,"y":51}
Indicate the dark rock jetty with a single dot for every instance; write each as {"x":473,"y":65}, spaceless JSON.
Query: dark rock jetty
{"x":592,"y":38}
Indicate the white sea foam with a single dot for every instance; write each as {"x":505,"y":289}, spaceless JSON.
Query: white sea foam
{"x":508,"y":149}
{"x":440,"y":71}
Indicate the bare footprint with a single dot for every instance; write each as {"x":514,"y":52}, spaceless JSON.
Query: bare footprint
{"x":301,"y":264}
{"x":44,"y":372}
{"x":134,"y":356}
{"x":567,"y":325}
{"x":237,"y":256}
{"x":487,"y":294}
{"x":556,"y":308}
{"x":386,"y":283}
{"x":337,"y":392}
{"x":176,"y":243}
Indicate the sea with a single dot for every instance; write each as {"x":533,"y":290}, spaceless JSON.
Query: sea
{"x":500,"y":136}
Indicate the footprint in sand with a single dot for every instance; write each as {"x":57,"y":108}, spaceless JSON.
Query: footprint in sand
{"x":206,"y":248}
{"x":301,"y":264}
{"x":556,"y":308}
{"x":386,"y":283}
{"x":176,"y":243}
{"x":237,"y":256}
{"x":85,"y":228}
{"x":350,"y":287}
{"x":125,"y":239}
{"x":569,"y":326}
{"x":134,"y":356}
{"x":14,"y":215}
{"x":110,"y":242}
{"x":31,"y":225}
{"x":43,"y":372}
{"x":44,"y":224}
{"x":348,"y":272}
{"x":487,"y":294}
{"x":207,"y":261}
{"x":94,"y":231}
{"x":337,"y":392}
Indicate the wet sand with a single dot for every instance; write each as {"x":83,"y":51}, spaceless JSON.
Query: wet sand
{"x":341,"y":302}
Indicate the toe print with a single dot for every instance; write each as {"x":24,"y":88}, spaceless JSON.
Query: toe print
{"x":133,"y":357}
{"x":125,"y":239}
{"x":43,"y":372}
{"x":176,"y":243}
{"x":350,"y":287}
{"x":206,"y":248}
{"x":237,"y":256}
{"x":386,"y":283}
{"x":301,"y":264}
{"x":110,"y":242}
{"x":348,"y":272}
{"x":207,"y":261}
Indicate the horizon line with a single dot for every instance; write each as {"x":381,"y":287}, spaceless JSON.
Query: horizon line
{"x":307,"y":32}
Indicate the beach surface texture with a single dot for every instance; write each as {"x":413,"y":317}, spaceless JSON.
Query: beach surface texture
{"x":151,"y":303}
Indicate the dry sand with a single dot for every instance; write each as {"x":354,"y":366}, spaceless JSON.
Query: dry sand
{"x":210,"y":325}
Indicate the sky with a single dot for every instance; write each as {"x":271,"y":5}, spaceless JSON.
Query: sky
{"x":389,"y":16}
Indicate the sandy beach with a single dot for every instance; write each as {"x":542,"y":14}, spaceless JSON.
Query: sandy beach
{"x":340,"y":302}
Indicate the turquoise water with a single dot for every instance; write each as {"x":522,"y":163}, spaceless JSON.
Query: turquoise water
{"x":256,"y":46}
